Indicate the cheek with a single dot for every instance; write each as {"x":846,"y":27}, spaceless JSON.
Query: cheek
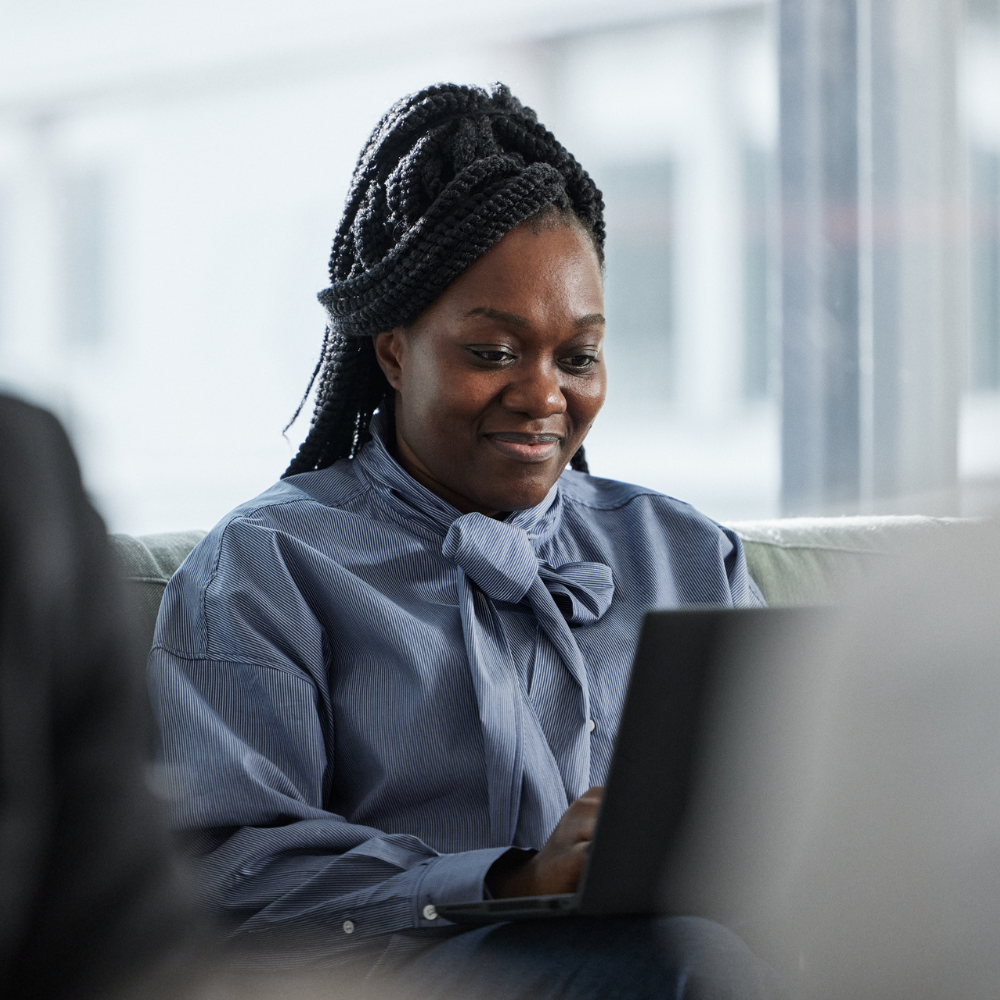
{"x":588,"y":400}
{"x":442,"y":396}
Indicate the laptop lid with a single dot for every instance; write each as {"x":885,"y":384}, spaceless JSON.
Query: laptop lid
{"x":688,"y":663}
{"x":689,"y":668}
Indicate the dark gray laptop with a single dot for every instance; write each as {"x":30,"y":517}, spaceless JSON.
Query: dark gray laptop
{"x":686,"y":664}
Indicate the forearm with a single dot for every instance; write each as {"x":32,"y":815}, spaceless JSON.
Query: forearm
{"x":285,"y":879}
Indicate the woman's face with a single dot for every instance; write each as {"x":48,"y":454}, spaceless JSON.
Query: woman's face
{"x":498,"y":381}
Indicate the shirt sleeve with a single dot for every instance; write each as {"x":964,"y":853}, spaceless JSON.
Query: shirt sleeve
{"x":248,"y":755}
{"x":243,"y":754}
{"x":742,"y":586}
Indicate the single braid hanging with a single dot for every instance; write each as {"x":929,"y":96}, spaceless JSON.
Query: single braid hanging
{"x":446,"y":174}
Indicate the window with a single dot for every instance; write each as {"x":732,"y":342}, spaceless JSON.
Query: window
{"x":984,"y":270}
{"x":84,"y":257}
{"x":759,"y":328}
{"x":639,"y":288}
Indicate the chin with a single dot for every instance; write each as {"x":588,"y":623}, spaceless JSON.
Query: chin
{"x":509,"y":487}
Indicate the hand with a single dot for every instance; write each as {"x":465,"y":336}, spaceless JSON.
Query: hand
{"x":558,"y":865}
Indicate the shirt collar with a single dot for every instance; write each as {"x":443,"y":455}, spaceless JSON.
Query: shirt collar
{"x":399,"y":488}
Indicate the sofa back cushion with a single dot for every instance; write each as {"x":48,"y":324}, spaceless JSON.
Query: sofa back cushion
{"x":817,"y":560}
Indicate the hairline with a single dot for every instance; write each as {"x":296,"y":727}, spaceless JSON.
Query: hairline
{"x":551,"y":216}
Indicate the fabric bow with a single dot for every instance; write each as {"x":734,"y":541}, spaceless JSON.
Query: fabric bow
{"x":497,"y":562}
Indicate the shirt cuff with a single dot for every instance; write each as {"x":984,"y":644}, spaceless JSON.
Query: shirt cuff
{"x":453,"y":878}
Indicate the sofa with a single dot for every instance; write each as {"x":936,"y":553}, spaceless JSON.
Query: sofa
{"x":793,"y":560}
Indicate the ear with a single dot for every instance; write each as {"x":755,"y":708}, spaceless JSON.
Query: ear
{"x":389,"y":348}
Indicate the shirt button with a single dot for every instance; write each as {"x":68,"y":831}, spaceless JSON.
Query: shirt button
{"x":430,"y":912}
{"x":348,"y":926}
{"x":591,"y":725}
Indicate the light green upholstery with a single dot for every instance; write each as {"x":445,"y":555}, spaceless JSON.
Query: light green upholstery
{"x":794,"y":560}
{"x":812,"y":560}
{"x":148,"y":562}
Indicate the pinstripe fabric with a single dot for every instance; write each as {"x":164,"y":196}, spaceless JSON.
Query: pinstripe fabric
{"x":366,"y":697}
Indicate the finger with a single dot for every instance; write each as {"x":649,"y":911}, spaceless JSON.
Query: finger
{"x":587,"y":803}
{"x":585,"y":806}
{"x":562,"y":874}
{"x":580,"y":824}
{"x":577,"y":823}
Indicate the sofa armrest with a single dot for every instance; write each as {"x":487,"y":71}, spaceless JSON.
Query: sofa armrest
{"x":147,"y":563}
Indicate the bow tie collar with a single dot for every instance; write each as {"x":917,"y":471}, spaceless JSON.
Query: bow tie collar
{"x":496,"y":560}
{"x":500,"y":559}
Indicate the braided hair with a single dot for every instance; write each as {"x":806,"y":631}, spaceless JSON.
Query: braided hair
{"x":446,"y":174}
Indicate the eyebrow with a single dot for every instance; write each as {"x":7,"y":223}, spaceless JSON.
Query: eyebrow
{"x":513,"y":319}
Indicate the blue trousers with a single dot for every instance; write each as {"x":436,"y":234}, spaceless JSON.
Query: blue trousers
{"x":585,"y":958}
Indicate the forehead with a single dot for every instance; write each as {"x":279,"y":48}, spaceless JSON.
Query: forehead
{"x":543,"y":272}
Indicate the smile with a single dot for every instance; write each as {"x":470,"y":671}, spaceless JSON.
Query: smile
{"x":525,"y":447}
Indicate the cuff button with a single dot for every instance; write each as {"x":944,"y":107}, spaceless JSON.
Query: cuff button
{"x":430,"y":912}
{"x":348,"y":926}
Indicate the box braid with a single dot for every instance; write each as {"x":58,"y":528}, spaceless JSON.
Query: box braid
{"x":446,"y":174}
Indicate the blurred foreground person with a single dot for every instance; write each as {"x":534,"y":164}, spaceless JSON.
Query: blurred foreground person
{"x":895,"y":887}
{"x":867,"y":862}
{"x":91,"y":904}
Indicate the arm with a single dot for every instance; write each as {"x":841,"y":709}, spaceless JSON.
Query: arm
{"x":246,"y":754}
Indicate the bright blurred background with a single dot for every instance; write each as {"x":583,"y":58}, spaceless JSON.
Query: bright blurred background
{"x":803,"y":201}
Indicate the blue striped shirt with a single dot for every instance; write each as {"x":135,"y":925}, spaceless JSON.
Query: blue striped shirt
{"x":365,"y":697}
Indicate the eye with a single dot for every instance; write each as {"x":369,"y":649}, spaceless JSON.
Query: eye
{"x":492,"y":355}
{"x":580,"y":362}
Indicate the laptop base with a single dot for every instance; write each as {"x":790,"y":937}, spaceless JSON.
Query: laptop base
{"x":491,"y":911}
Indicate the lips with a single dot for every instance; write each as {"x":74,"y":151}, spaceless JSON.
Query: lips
{"x":525,"y":447}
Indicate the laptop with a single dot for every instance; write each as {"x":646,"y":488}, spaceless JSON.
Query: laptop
{"x":689,"y":666}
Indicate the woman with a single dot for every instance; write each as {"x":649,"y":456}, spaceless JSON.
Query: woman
{"x":394,"y":679}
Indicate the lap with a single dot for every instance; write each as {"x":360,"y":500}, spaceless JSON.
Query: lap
{"x":625,"y":958}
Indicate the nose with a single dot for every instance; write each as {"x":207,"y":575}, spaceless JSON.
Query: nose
{"x":536,"y":391}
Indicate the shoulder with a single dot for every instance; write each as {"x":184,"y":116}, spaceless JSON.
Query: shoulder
{"x":299,"y":505}
{"x":626,"y":501}
{"x":253,"y":548}
{"x":656,"y":534}
{"x":26,"y":426}
{"x":335,"y":488}
{"x":35,"y":455}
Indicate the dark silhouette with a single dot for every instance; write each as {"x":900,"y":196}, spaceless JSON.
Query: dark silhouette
{"x":91,"y":903}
